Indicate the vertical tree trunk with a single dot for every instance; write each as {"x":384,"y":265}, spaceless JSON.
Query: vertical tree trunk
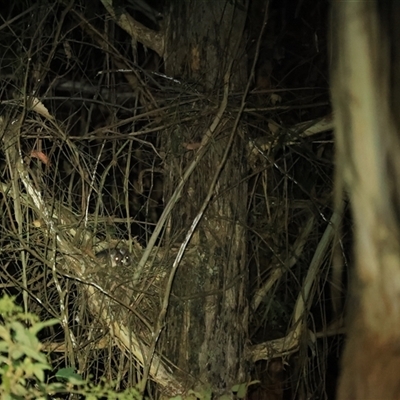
{"x":207,"y":318}
{"x":365,"y":90}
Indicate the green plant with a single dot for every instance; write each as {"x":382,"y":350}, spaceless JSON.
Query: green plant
{"x":23,"y":365}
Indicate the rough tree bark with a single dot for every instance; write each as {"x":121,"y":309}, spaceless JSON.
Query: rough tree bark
{"x":207,"y":319}
{"x":366,"y":90}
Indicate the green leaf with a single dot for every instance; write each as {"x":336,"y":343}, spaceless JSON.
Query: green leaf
{"x":240,"y":390}
{"x":4,"y":347}
{"x":19,"y":390}
{"x":35,"y":369}
{"x":24,"y":336}
{"x":34,"y":353}
{"x":16,"y":353}
{"x":7,"y":305}
{"x":70,"y":375}
{"x":40,"y":325}
{"x":241,"y":393}
{"x":38,"y":371}
{"x":3,"y":363}
{"x":5,"y":333}
{"x":204,"y":394}
{"x":55,"y":387}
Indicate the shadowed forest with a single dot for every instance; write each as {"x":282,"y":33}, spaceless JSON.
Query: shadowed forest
{"x":173,"y":193}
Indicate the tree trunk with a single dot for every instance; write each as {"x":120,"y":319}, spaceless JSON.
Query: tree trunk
{"x":365,"y":90}
{"x":206,"y":327}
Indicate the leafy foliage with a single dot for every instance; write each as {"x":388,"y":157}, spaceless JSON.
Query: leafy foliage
{"x":23,"y":365}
